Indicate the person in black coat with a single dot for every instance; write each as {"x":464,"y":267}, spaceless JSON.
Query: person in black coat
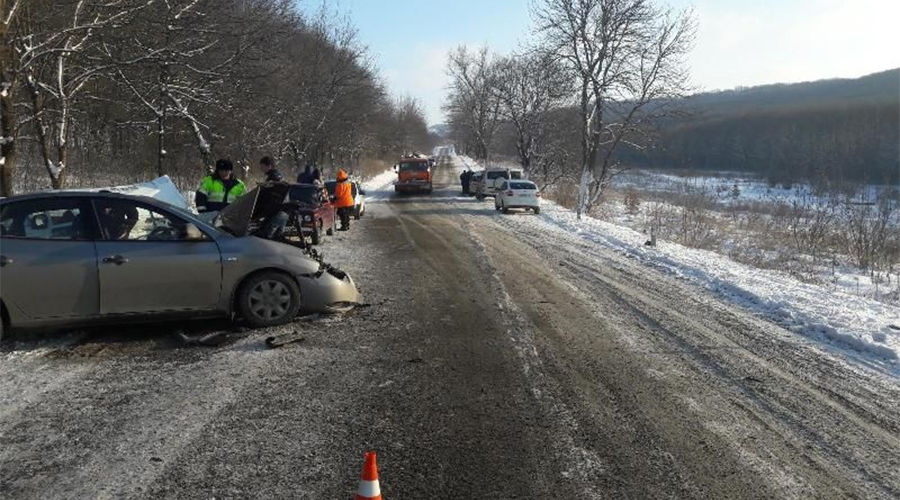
{"x":305,"y":177}
{"x":267,"y":165}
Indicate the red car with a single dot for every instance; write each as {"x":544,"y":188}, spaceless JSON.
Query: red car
{"x":311,"y":211}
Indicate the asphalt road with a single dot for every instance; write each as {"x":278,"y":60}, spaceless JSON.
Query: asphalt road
{"x":491,"y":363}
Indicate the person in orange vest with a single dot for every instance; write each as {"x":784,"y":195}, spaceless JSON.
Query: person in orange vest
{"x":343,"y":199}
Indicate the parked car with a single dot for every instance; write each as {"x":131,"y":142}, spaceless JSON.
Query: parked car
{"x":71,"y":258}
{"x":311,"y":212}
{"x":476,"y":182}
{"x":518,"y":194}
{"x":493,"y":179}
{"x":359,"y":197}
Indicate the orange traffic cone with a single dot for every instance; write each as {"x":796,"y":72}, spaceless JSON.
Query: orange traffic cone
{"x":368,"y":482}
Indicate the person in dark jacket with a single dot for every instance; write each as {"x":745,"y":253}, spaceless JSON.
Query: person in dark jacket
{"x":464,"y":179}
{"x":306,"y":176}
{"x":273,"y":227}
{"x":267,"y":165}
{"x":218,"y":189}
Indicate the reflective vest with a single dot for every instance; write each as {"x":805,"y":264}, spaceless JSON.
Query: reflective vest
{"x":343,"y":194}
{"x":213,"y":194}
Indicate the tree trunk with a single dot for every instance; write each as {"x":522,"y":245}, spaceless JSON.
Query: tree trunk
{"x":7,"y":115}
{"x":7,"y":139}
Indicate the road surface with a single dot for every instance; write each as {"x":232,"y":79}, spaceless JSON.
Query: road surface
{"x":491,"y":363}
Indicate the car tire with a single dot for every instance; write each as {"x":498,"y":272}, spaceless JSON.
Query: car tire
{"x":268,"y":299}
{"x":537,"y":210}
{"x":479,"y":197}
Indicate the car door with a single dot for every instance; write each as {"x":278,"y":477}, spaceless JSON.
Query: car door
{"x":48,"y":261}
{"x":150,"y":262}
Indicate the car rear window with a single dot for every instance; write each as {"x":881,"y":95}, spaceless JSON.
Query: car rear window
{"x":304,"y":193}
{"x":497,"y":175}
{"x":522,"y":185}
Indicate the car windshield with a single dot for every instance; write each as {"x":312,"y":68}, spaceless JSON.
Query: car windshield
{"x":523,"y":185}
{"x":414,"y":167}
{"x":305,"y":193}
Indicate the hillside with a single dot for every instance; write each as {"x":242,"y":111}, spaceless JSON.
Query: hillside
{"x":826,"y":131}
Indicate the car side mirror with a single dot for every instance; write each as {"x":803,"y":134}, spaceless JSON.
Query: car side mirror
{"x":193,"y":233}
{"x":396,"y":167}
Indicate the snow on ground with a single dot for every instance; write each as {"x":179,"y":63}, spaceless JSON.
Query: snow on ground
{"x":859,"y":326}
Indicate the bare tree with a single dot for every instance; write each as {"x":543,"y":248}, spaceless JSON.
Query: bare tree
{"x":472,"y":103}
{"x":529,"y":87}
{"x":57,"y":57}
{"x":627,"y":60}
{"x":8,"y":87}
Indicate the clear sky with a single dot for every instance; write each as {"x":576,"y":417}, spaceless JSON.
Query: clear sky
{"x":738,"y":42}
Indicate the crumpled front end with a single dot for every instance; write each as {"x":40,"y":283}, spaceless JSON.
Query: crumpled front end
{"x":329,"y":290}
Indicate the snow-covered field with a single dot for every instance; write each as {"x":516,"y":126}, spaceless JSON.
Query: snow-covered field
{"x":859,"y":326}
{"x":724,"y":185}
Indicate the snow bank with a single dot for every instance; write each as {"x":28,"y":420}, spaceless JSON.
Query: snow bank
{"x":857,"y":325}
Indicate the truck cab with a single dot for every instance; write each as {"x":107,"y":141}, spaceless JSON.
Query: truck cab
{"x":413,"y":175}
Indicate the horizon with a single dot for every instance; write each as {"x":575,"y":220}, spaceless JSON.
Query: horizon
{"x":737,"y":45}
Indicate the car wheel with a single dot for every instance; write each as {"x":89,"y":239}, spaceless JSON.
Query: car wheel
{"x":479,"y":197}
{"x":269,"y":299}
{"x":537,"y":210}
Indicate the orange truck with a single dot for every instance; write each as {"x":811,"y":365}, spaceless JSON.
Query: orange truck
{"x":414,"y":175}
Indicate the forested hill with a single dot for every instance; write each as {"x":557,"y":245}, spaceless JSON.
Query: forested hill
{"x":826,"y":131}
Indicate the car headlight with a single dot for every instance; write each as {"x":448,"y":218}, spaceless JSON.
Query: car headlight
{"x":307,"y":218}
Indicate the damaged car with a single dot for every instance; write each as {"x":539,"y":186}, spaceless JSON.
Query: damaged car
{"x":69,"y":258}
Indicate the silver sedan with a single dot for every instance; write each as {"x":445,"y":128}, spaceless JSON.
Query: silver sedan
{"x":70,"y":258}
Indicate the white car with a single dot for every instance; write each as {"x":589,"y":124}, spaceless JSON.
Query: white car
{"x":494,"y":178}
{"x":518,"y":194}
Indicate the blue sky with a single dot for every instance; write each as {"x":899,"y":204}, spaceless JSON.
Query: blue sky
{"x":738,"y":42}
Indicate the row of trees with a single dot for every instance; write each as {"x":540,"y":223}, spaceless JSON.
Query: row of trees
{"x":123,"y":89}
{"x":827,"y":143}
{"x":596,"y":79}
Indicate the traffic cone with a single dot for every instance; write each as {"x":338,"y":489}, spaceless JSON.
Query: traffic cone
{"x":368,"y":482}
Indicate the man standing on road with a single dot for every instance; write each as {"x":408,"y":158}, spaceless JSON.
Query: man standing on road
{"x":306,"y":177}
{"x":274,"y":225}
{"x":343,"y":199}
{"x":464,"y":179}
{"x":218,"y":189}
{"x":267,"y":165}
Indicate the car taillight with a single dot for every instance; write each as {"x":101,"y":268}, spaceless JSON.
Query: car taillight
{"x":537,"y":194}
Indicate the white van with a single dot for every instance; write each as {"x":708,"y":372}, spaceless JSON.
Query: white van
{"x":494,"y":177}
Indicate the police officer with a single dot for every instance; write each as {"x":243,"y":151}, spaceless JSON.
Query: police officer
{"x":219,"y":189}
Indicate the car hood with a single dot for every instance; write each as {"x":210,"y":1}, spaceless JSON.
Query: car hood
{"x":257,"y":204}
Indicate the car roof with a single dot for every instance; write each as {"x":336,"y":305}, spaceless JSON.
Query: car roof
{"x":63,"y":193}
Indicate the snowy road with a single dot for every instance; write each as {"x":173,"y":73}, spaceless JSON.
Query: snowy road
{"x":496,"y":361}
